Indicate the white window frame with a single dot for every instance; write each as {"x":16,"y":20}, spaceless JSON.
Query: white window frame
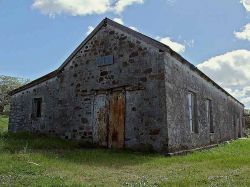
{"x":192,"y":112}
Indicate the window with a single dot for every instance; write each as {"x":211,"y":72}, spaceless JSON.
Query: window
{"x":37,"y":108}
{"x":192,"y":112}
{"x":239,"y":127}
{"x":209,"y":115}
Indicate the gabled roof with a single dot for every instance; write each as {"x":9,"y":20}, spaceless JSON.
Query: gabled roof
{"x":162,"y":47}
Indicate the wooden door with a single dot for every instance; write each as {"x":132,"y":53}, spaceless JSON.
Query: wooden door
{"x":100,"y":120}
{"x":116,"y":120}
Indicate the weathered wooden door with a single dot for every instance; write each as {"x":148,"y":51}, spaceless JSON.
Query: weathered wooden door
{"x":100,"y":121}
{"x":116,"y":120}
{"x":109,"y":120}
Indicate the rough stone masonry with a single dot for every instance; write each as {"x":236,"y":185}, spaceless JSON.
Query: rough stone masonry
{"x":122,"y":89}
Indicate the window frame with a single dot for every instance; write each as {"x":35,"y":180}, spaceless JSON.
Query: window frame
{"x":192,"y":112}
{"x":209,"y":115}
{"x":37,"y":107}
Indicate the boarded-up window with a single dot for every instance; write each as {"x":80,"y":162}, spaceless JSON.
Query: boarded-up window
{"x":209,"y":115}
{"x":37,"y":107}
{"x":192,"y":112}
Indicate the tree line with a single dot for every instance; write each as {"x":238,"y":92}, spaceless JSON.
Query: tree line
{"x":8,"y":84}
{"x":247,"y":112}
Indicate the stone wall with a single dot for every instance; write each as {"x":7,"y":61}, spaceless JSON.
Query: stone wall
{"x":180,"y":79}
{"x":21,"y":115}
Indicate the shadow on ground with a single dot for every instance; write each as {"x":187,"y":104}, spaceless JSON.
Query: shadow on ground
{"x":73,"y":151}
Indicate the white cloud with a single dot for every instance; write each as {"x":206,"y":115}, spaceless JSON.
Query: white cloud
{"x":244,"y":34}
{"x":232,"y":72}
{"x":189,"y":43}
{"x":119,"y":20}
{"x":134,"y":28}
{"x":78,"y":8}
{"x":90,"y":29}
{"x":82,"y":7}
{"x":246,"y":4}
{"x":122,"y":4}
{"x":177,"y":47}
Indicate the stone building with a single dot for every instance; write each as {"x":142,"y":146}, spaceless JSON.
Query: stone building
{"x":122,"y":89}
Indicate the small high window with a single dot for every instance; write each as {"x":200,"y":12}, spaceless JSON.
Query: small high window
{"x":209,"y":115}
{"x":192,"y":112}
{"x":37,"y":107}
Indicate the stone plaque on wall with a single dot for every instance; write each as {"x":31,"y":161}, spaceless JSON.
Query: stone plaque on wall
{"x":105,"y":60}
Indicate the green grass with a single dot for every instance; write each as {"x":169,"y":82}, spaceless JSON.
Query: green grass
{"x":28,"y":160}
{"x":3,"y":123}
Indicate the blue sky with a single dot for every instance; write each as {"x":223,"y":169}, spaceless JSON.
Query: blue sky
{"x":36,"y":36}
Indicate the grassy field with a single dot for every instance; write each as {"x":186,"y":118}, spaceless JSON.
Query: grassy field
{"x":3,"y":123}
{"x":26,"y":160}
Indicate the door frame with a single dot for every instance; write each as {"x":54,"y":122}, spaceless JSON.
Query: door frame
{"x":108,"y":94}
